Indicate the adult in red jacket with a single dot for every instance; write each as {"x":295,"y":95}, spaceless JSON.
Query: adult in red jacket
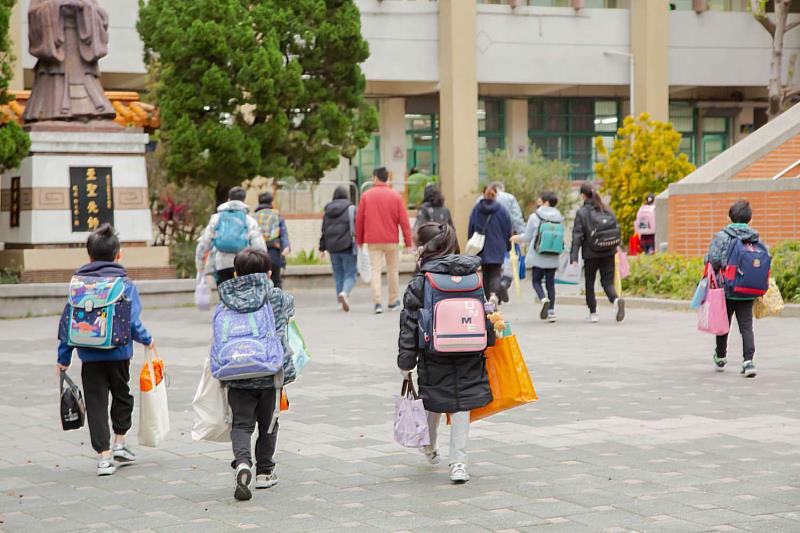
{"x":380,"y":212}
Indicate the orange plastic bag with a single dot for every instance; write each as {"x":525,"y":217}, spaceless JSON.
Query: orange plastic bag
{"x":145,"y":383}
{"x":509,"y":379}
{"x":284,"y":400}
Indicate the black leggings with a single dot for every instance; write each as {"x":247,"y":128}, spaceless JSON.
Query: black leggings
{"x":606,"y":267}
{"x":493,"y":282}
{"x":744,"y":317}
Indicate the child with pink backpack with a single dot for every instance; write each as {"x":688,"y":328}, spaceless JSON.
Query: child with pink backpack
{"x":645,"y":225}
{"x":444,"y":333}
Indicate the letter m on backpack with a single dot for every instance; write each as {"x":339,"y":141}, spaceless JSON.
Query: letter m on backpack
{"x":453,"y":320}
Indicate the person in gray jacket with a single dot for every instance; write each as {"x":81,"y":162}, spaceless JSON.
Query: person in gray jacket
{"x":543,"y":265}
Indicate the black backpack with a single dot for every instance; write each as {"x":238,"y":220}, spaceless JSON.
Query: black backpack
{"x":73,"y":410}
{"x":604,"y":233}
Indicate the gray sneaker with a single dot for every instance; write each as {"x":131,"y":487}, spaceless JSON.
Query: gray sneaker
{"x":619,"y":309}
{"x":396,"y":306}
{"x":105,"y":466}
{"x":749,"y":369}
{"x":244,"y":475}
{"x":122,"y":453}
{"x":378,"y":309}
{"x":459,"y":473}
{"x":266,"y":481}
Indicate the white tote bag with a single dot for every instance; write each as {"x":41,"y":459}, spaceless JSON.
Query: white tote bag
{"x":362,"y":263}
{"x":476,"y":243}
{"x":202,"y":293}
{"x":212,"y":414}
{"x":153,"y":409}
{"x":568,"y":273}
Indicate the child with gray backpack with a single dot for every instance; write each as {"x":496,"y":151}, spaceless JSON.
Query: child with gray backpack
{"x":248,"y":356}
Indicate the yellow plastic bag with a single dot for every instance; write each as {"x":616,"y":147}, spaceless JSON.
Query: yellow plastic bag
{"x":617,"y":276}
{"x":771,"y":304}
{"x":514,"y":258}
{"x":509,"y":379}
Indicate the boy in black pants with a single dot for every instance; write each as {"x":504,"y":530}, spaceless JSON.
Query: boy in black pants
{"x":106,"y":371}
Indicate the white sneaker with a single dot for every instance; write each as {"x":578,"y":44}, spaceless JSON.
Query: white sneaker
{"x":431,"y":454}
{"x":105,"y":466}
{"x":344,"y":302}
{"x":594,"y":318}
{"x":244,"y":475}
{"x":494,"y":300}
{"x":545,"y":308}
{"x":266,"y":481}
{"x":459,"y":473}
{"x":122,"y":453}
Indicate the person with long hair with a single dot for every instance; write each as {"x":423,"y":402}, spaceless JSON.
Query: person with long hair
{"x":433,"y":208}
{"x":492,"y":220}
{"x":338,"y":239}
{"x":455,"y":383}
{"x":596,"y":235}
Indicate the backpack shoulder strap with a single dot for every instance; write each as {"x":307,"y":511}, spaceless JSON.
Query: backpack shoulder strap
{"x":226,"y":327}
{"x":251,"y":319}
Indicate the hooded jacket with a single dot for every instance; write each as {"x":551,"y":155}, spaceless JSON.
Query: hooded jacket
{"x":338,"y":227}
{"x":105,"y":269}
{"x":720,"y":245}
{"x":205,"y":244}
{"x":534,"y":258}
{"x":581,"y":234}
{"x":497,"y":230}
{"x":250,"y":293}
{"x":447,"y":384}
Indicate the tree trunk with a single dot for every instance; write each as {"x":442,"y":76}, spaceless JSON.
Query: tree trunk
{"x":775,"y":87}
{"x":221,"y":193}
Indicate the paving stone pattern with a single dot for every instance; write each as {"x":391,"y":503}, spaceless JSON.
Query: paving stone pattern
{"x":634,"y":432}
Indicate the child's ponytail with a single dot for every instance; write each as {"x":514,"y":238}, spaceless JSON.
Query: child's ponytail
{"x":436,"y":240}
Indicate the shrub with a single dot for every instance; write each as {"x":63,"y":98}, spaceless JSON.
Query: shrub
{"x":10,"y":275}
{"x":786,"y":269}
{"x":305,"y":258}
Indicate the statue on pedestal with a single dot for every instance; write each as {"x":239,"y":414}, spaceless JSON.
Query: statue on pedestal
{"x":68,"y":37}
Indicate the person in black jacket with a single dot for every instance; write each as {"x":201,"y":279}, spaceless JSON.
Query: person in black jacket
{"x":433,"y":208}
{"x":452,"y":384}
{"x":594,"y":260}
{"x":338,"y":239}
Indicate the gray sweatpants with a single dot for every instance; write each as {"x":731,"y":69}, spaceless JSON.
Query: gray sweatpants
{"x":459,"y":434}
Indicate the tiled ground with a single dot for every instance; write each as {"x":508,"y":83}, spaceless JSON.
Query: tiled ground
{"x":634,"y":432}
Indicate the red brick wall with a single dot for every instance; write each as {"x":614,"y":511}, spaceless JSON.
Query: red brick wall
{"x":774,"y":162}
{"x":695,"y":218}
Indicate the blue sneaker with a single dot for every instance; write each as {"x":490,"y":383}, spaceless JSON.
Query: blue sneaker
{"x":720,"y":362}
{"x":749,"y":369}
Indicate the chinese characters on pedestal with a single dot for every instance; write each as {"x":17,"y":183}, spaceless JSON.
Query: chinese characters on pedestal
{"x":91,"y":197}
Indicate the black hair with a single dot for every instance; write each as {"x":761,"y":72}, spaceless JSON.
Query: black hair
{"x":341,"y":193}
{"x":266,"y":198}
{"x":549,"y":197}
{"x":741,"y":212}
{"x":436,"y":240}
{"x":252,"y":261}
{"x":237,"y":193}
{"x":433,"y":196}
{"x":103,"y":244}
{"x":594,"y":196}
{"x":651,"y":198}
{"x":381,"y":173}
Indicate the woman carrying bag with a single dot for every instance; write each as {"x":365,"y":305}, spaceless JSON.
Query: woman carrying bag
{"x":491,"y":221}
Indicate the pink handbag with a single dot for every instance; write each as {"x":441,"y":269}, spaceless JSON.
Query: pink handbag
{"x":410,"y":419}
{"x":712,"y":317}
{"x":624,"y":265}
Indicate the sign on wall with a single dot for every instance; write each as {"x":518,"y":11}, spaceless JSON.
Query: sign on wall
{"x":16,"y":202}
{"x":91,"y":197}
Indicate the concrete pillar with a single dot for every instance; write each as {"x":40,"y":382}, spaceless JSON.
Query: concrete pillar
{"x":393,"y":137}
{"x":458,"y":104}
{"x":650,"y":48}
{"x":18,"y":44}
{"x":517,"y":128}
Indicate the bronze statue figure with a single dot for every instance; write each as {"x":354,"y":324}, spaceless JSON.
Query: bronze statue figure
{"x":68,"y":37}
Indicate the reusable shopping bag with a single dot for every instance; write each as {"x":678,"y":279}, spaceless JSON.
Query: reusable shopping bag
{"x":567,"y":273}
{"x":699,"y":294}
{"x":284,"y":400}
{"x":73,"y":410}
{"x":202,"y":293}
{"x":515,"y":259}
{"x":509,"y":379}
{"x":297,"y":344}
{"x":410,"y":419}
{"x":624,"y":264}
{"x":476,"y":243}
{"x":712,"y":317}
{"x":153,"y":408}
{"x":362,"y":264}
{"x":522,"y":267}
{"x":212,"y":414}
{"x":771,"y":304}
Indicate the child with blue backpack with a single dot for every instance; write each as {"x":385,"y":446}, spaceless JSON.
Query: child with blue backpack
{"x":443,"y":334}
{"x":544,"y":236}
{"x":248,"y":355}
{"x":741,"y":263}
{"x":101,"y":319}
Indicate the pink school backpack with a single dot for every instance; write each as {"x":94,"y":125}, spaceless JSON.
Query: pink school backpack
{"x":646,"y":220}
{"x":453,"y":319}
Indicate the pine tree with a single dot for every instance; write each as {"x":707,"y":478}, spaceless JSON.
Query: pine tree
{"x":14,"y":142}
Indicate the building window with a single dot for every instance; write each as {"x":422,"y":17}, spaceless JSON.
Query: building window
{"x":716,"y":134}
{"x":491,"y":129}
{"x":422,"y":143}
{"x":682,"y":117}
{"x":565,"y":128}
{"x":367,"y":159}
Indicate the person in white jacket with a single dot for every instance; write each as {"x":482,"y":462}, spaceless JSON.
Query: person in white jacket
{"x":230,"y":230}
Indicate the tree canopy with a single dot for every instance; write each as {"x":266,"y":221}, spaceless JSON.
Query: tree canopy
{"x":269,"y":88}
{"x":14,"y":142}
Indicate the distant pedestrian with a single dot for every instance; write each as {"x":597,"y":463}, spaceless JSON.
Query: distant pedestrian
{"x":492,"y":220}
{"x":509,"y":201}
{"x":230,"y":230}
{"x":739,"y":279}
{"x":276,"y":236}
{"x":381,"y":216}
{"x":338,"y":239}
{"x":596,"y":235}
{"x":544,"y":236}
{"x":645,"y":225}
{"x":433,"y":208}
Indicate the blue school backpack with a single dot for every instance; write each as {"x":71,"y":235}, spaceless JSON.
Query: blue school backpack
{"x":453,"y":319}
{"x":246,"y":345}
{"x":97,"y":314}
{"x":549,"y":238}
{"x":231,"y":232}
{"x":746,"y":274}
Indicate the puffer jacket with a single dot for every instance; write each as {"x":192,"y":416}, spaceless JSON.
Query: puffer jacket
{"x":534,"y":258}
{"x":249,"y":293}
{"x":338,"y":227}
{"x":447,"y":384}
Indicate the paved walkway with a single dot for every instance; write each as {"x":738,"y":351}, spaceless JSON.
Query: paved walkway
{"x":634,"y":431}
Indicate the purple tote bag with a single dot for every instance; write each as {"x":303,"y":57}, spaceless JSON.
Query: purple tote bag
{"x":712,"y":317}
{"x":410,"y":419}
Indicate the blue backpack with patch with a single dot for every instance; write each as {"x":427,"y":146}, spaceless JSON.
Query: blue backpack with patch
{"x":231,"y":232}
{"x":246,"y":345}
{"x":97,"y":314}
{"x":746,"y":274}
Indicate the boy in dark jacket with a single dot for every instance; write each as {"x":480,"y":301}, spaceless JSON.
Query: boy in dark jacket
{"x":255,"y":400}
{"x":106,"y":371}
{"x":740,"y":215}
{"x":447,"y":384}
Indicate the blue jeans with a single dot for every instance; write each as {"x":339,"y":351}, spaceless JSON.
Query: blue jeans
{"x":549,"y":276}
{"x":344,"y":271}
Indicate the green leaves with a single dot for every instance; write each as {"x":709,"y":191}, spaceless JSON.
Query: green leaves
{"x":14,"y":142}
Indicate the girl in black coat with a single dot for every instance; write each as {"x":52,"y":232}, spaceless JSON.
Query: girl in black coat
{"x":447,"y":384}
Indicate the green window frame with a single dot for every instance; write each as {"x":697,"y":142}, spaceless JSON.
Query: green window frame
{"x":683,"y":116}
{"x":491,"y":129}
{"x":367,"y":159}
{"x":422,"y":142}
{"x":716,"y":137}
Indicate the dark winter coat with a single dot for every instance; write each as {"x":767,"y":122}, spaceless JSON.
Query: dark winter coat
{"x":581,"y":233}
{"x":498,"y":231}
{"x":720,"y":247}
{"x":446,"y":384}
{"x":338,"y":227}
{"x":428,"y":213}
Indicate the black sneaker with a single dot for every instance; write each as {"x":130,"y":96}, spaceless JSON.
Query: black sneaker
{"x":545,"y":308}
{"x":619,"y":307}
{"x":749,"y":369}
{"x":396,"y":306}
{"x":720,"y":362}
{"x":378,"y":309}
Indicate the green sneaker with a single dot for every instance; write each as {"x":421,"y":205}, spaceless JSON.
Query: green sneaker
{"x":720,"y":362}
